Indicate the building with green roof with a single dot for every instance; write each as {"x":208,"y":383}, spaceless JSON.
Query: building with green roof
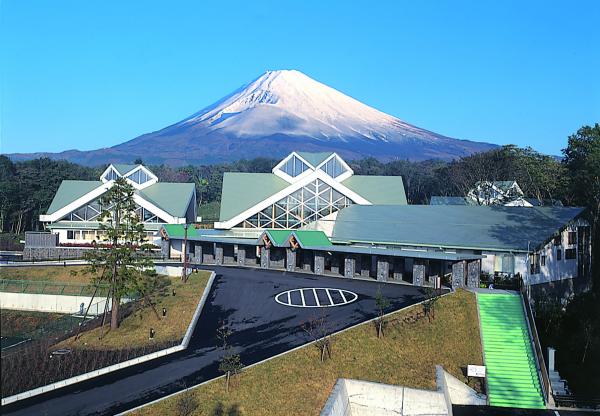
{"x":313,"y":214}
{"x":302,"y":189}
{"x":74,"y":212}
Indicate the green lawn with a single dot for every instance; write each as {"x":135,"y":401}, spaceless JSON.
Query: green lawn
{"x":298,"y":384}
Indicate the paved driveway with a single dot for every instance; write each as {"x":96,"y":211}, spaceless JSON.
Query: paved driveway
{"x":244,"y":299}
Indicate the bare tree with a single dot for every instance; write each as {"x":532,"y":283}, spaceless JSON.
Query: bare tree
{"x":318,"y":331}
{"x":431,"y":298}
{"x":186,"y":403}
{"x":382,"y":304}
{"x":230,"y":363}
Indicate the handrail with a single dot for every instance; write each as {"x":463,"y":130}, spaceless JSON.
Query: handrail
{"x":541,"y":364}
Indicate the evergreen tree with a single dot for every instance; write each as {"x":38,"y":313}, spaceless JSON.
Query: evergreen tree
{"x":120,"y":263}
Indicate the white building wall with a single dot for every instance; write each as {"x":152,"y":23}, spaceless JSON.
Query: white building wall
{"x":554,"y":269}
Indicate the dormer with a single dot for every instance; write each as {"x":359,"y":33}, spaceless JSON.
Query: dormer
{"x":299,"y":165}
{"x":138,"y":176}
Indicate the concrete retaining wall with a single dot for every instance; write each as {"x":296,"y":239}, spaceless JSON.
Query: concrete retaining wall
{"x":51,"y":303}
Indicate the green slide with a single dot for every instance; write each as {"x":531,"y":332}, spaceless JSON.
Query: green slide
{"x":511,"y":369}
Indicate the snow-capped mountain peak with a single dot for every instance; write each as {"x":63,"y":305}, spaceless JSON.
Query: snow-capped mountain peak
{"x":289,"y":102}
{"x":277,"y":113}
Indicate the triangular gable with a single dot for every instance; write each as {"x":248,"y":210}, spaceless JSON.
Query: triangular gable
{"x":309,"y":238}
{"x":278,"y":238}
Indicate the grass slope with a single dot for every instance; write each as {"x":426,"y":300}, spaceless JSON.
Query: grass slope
{"x":134,"y":329}
{"x":297,"y":383}
{"x":45,"y":273}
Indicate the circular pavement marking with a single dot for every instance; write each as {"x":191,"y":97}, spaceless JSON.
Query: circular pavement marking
{"x":315,"y":297}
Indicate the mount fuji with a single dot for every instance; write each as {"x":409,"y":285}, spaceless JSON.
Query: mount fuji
{"x":279,"y":112}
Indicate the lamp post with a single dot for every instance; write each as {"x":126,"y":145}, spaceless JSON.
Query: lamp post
{"x":184,"y":251}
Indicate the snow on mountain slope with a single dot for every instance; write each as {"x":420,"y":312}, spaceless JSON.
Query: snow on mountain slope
{"x":277,"y":113}
{"x":289,"y":102}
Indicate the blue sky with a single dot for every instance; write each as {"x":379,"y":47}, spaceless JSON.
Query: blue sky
{"x":90,"y":74}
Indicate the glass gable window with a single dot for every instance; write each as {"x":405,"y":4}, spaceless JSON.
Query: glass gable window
{"x":92,"y":211}
{"x":294,"y":167}
{"x":310,"y":203}
{"x":333,"y":167}
{"x":111,"y":175}
{"x":139,"y":177}
{"x":147,"y":216}
{"x":88,"y":212}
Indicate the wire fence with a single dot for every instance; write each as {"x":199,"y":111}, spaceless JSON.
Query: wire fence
{"x":41,"y":287}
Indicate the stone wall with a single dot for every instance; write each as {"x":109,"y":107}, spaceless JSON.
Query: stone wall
{"x":291,"y":259}
{"x":319,"y":263}
{"x":458,"y":274}
{"x":383,"y":269}
{"x":418,"y":274}
{"x":53,"y":253}
{"x":473,"y":273}
{"x":349,"y":266}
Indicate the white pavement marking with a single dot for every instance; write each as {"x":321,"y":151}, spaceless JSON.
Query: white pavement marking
{"x":316,"y":297}
{"x":556,"y":413}
{"x":289,"y":302}
{"x":302,"y":296}
{"x":342,"y":294}
{"x":329,"y":296}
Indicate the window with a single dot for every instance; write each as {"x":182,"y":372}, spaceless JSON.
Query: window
{"x":558,"y":254}
{"x":570,"y":254}
{"x":572,"y":237}
{"x":70,"y":235}
{"x":557,"y":240}
{"x":333,"y":167}
{"x":534,"y":261}
{"x":543,"y":260}
{"x":139,"y":177}
{"x":310,"y":203}
{"x":294,"y":167}
{"x":111,"y":175}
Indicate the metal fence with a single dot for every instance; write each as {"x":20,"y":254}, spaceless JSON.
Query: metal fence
{"x":42,"y":287}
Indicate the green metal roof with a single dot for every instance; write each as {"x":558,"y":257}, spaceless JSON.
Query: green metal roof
{"x":69,"y":191}
{"x":278,"y":237}
{"x":177,"y":231}
{"x":314,"y":158}
{"x":451,"y":200}
{"x":244,"y":190}
{"x":381,"y":190}
{"x":472,"y":227}
{"x":123,"y":168}
{"x":174,"y":198}
{"x":310,"y":238}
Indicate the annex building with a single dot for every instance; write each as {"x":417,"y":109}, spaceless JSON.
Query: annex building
{"x":74,"y":213}
{"x":313,"y":214}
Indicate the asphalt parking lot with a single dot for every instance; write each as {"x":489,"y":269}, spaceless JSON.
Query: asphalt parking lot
{"x":243,"y":299}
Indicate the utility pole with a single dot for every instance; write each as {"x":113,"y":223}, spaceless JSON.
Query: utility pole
{"x":184,"y":251}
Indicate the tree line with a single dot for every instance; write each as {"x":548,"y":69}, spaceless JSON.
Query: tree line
{"x":27,"y":188}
